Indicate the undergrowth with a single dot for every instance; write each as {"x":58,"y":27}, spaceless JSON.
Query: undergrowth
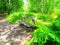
{"x":47,"y":23}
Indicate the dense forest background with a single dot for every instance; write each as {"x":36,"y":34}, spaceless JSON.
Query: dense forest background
{"x":9,"y":5}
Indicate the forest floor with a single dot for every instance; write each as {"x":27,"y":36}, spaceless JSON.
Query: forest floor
{"x":13,"y":34}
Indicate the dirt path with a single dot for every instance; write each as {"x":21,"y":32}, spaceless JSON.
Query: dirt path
{"x":13,"y":34}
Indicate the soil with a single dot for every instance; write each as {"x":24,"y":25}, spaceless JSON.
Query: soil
{"x":13,"y":34}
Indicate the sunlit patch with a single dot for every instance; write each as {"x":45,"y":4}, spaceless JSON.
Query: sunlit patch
{"x":54,"y":16}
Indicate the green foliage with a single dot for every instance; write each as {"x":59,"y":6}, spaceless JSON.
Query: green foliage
{"x":16,"y":5}
{"x":46,"y":20}
{"x":3,"y":6}
{"x":43,"y":33}
{"x":41,"y":6}
{"x":15,"y":16}
{"x":11,"y":6}
{"x":57,"y":22}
